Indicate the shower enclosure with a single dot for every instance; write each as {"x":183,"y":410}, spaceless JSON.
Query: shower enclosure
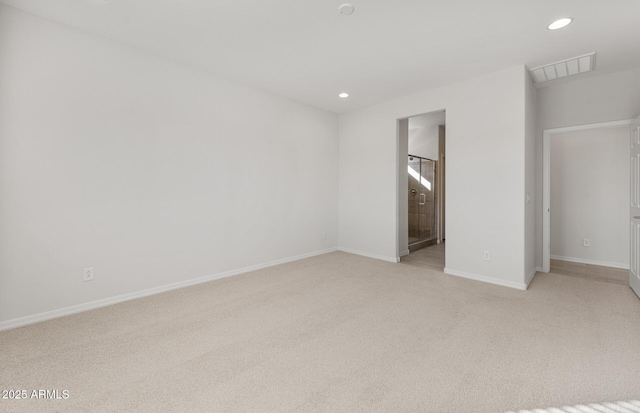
{"x":422,"y":202}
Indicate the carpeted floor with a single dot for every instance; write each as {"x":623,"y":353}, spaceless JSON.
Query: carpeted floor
{"x":631,"y":406}
{"x":336,"y":333}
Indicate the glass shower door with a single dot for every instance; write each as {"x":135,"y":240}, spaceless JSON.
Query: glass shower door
{"x":422,"y":201}
{"x":415,"y":196}
{"x":427,"y":202}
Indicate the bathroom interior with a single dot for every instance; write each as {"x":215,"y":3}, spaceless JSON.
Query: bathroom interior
{"x":426,"y":189}
{"x":421,"y":202}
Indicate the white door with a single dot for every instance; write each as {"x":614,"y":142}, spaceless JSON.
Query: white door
{"x":634,"y":255}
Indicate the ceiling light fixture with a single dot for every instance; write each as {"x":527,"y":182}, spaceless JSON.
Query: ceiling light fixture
{"x":343,"y":95}
{"x":346,"y":9}
{"x":560,"y":23}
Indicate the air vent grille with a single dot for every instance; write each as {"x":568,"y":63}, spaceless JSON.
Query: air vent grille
{"x":564,"y":68}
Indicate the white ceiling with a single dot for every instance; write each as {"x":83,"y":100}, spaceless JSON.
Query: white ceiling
{"x":307,"y":51}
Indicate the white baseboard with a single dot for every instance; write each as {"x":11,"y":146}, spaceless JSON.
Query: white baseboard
{"x":624,"y":266}
{"x":36,"y":318}
{"x":404,"y":253}
{"x":530,"y":277}
{"x":367,"y":254}
{"x":483,"y":278}
{"x":541,"y":269}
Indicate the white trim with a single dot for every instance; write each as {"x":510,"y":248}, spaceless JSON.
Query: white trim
{"x":530,"y":277}
{"x":403,"y":253}
{"x":540,"y":269}
{"x":546,"y":179}
{"x":591,"y":262}
{"x":484,"y":278}
{"x":546,"y":204}
{"x":369,"y":255}
{"x":397,"y":172}
{"x":61,"y":312}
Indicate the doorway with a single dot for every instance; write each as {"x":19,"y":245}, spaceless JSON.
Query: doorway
{"x":421,"y":187}
{"x":584,"y":222}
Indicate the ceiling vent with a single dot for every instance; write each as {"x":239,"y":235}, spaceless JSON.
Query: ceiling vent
{"x":564,"y":68}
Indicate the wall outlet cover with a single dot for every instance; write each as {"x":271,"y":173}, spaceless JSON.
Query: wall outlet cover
{"x":87,"y":274}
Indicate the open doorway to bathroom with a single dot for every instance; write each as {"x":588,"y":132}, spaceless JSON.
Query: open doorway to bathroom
{"x":422,"y":189}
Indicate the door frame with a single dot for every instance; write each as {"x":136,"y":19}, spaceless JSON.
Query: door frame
{"x":546,"y":179}
{"x":402,"y":153}
{"x":634,"y":272}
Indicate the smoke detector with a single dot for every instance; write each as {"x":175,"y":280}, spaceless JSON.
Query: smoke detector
{"x":346,"y":9}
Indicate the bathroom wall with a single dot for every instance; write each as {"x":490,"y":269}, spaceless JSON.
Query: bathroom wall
{"x":423,"y":134}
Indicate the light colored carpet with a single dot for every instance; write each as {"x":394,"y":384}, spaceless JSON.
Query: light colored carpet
{"x":632,"y":406}
{"x":336,"y":333}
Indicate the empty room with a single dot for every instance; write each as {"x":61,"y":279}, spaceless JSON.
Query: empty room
{"x":312,"y":206}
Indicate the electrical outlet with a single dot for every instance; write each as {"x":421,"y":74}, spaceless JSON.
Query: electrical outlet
{"x":586,"y":242}
{"x":87,"y":274}
{"x":487,"y":255}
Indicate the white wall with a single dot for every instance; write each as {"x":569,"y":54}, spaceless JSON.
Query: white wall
{"x":149,"y":171}
{"x":530,"y":179}
{"x":485,"y":175}
{"x":590,"y":196}
{"x":610,"y":97}
{"x":423,"y":134}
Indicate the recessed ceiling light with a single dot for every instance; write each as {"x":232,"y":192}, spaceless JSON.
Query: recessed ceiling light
{"x":343,"y":95}
{"x":560,"y":23}
{"x":346,"y":9}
